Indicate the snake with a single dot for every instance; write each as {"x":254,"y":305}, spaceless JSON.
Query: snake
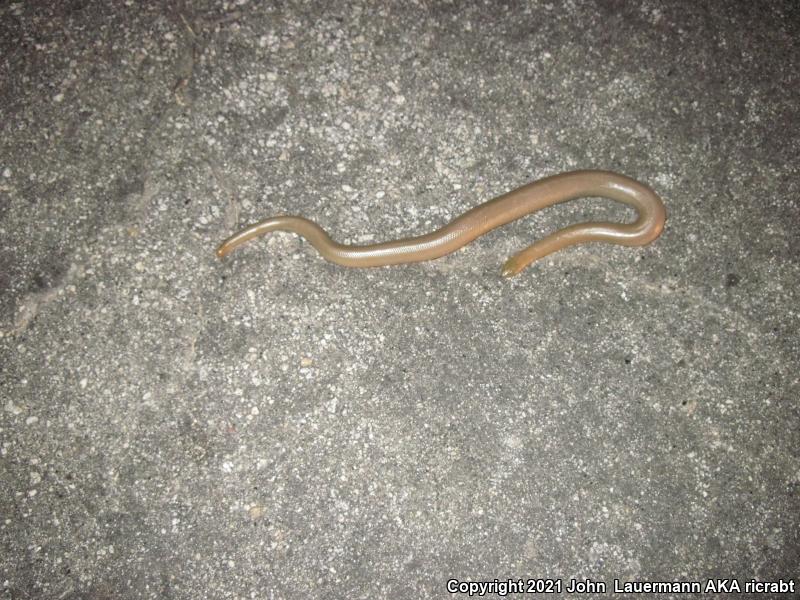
{"x":532,"y":197}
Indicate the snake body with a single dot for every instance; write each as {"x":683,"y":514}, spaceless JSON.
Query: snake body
{"x":488,"y":216}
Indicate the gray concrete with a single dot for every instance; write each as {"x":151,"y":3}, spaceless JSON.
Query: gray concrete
{"x":275,"y":426}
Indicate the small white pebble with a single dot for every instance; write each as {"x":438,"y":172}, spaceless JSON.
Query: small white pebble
{"x":13,"y":408}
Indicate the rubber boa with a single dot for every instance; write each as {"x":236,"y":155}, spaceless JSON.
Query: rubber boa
{"x":488,"y":216}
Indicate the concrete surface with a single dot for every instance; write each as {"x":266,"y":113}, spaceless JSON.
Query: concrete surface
{"x":274,"y":426}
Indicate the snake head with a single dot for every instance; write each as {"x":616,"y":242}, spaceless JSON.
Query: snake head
{"x":511,"y":267}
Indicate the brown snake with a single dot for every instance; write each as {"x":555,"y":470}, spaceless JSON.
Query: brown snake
{"x":490,"y":215}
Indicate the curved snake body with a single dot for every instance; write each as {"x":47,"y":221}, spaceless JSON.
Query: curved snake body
{"x":488,"y":216}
